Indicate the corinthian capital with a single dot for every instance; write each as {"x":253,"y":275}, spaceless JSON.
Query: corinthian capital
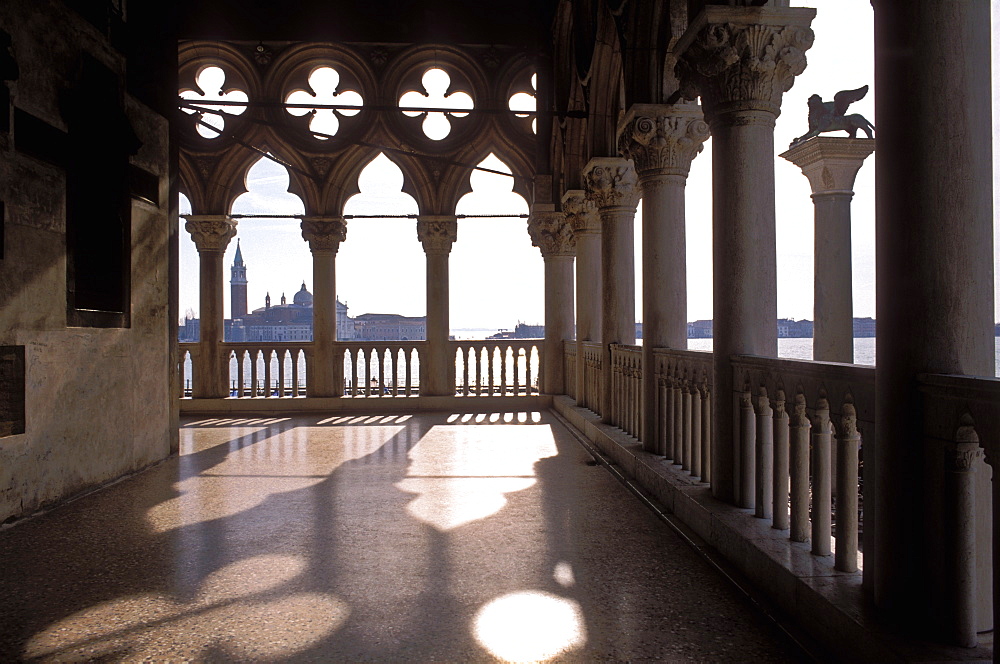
{"x":743,"y":58}
{"x":581,"y":214}
{"x":437,"y":233}
{"x":611,"y":182}
{"x":324,"y":233}
{"x":551,"y":232}
{"x":210,"y":232}
{"x":662,"y":139}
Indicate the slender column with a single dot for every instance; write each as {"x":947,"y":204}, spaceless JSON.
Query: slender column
{"x":822,"y":489}
{"x":798,"y":429}
{"x":611,"y":185}
{"x":662,"y":140}
{"x":779,"y":492}
{"x":740,"y":60}
{"x":848,"y":441}
{"x":211,"y":234}
{"x":552,"y":234}
{"x":325,"y":377}
{"x":437,"y":233}
{"x":934,"y":250}
{"x":960,"y":469}
{"x":586,"y":224}
{"x":831,"y":163}
{"x":764,"y":475}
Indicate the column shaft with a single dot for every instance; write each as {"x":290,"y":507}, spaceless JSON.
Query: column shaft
{"x":582,"y":217}
{"x":210,"y":379}
{"x":558,"y":320}
{"x":437,"y":379}
{"x":934,"y":250}
{"x":618,"y":293}
{"x":833,"y":306}
{"x":323,"y":383}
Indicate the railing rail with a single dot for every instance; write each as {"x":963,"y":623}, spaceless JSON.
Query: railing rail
{"x":497,"y":367}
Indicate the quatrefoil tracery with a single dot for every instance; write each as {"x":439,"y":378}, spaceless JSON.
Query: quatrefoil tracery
{"x":211,"y":81}
{"x":325,"y":83}
{"x":436,"y":82}
{"x":523,"y":101}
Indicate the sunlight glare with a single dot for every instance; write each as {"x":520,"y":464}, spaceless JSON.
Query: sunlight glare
{"x":530,"y":626}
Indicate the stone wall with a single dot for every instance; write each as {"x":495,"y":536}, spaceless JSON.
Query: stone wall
{"x":96,"y":399}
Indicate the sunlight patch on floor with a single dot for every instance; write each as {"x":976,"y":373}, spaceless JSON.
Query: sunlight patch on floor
{"x":530,"y":626}
{"x":239,"y":612}
{"x":462,"y":474}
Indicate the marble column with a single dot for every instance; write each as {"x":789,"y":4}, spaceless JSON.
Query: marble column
{"x":553,"y":235}
{"x":437,"y":368}
{"x":831,"y":164}
{"x":586,"y":224}
{"x":662,"y":140}
{"x":211,"y":234}
{"x":934,"y":250}
{"x":740,"y":60}
{"x":324,"y":234}
{"x":611,"y":186}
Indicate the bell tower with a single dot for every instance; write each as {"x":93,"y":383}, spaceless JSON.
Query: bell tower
{"x":238,"y":285}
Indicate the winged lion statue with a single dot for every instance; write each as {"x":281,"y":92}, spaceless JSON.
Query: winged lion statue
{"x":829,"y":115}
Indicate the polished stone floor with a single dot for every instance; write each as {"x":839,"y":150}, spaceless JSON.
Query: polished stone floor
{"x":430,"y":538}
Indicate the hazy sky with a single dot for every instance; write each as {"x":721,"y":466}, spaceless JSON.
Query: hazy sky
{"x":497,"y":276}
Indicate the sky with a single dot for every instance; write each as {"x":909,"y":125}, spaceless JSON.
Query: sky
{"x":497,"y":276}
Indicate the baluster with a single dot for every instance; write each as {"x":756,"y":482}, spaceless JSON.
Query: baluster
{"x":706,"y":435}
{"x":281,"y":371}
{"x":352,"y":357}
{"x":516,"y":373}
{"x":747,"y":451}
{"x":531,"y":352}
{"x":489,"y":369}
{"x":846,"y":559}
{"x":661,"y":416}
{"x":394,"y":366}
{"x":779,"y":490}
{"x":668,"y":419}
{"x":822,"y":498}
{"x":696,"y":457}
{"x":961,"y":458}
{"x":253,"y":372}
{"x":764,"y":454}
{"x":408,"y":362}
{"x":503,"y":370}
{"x":798,"y":428}
{"x":380,"y":354}
{"x":295,"y":372}
{"x":466,"y":361}
{"x":686,"y":424}
{"x":678,"y":421}
{"x":268,"y":356}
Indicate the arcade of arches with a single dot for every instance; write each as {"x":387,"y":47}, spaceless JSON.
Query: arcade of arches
{"x":859,"y":500}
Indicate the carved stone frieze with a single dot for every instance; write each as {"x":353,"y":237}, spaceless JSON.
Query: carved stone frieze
{"x":211,"y":232}
{"x":662,"y":139}
{"x":437,"y":233}
{"x":738,"y":59}
{"x":324,"y":233}
{"x":611,"y":182}
{"x":552,"y":234}
{"x":580,"y":212}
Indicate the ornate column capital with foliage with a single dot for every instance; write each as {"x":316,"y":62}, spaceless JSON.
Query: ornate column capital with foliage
{"x":551,"y":232}
{"x":611,"y":183}
{"x":437,"y":233}
{"x":210,"y":232}
{"x":743,"y":58}
{"x":662,"y":139}
{"x":581,"y":214}
{"x":324,"y":234}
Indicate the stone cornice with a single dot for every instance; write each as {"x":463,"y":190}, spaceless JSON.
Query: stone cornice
{"x":437,"y":233}
{"x":611,"y":183}
{"x":551,"y":232}
{"x":581,"y":214}
{"x":831,"y":163}
{"x":210,"y":232}
{"x":662,"y":139}
{"x":743,"y":58}
{"x":324,"y":234}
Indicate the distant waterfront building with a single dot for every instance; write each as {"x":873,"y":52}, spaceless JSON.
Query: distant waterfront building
{"x":521,"y":331}
{"x":700,"y":329}
{"x":864,"y":328}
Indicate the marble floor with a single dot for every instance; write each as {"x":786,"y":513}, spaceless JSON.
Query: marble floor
{"x":427,"y":538}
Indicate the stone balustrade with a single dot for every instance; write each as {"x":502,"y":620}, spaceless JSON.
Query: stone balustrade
{"x":684,"y":410}
{"x":592,"y":376}
{"x":267,"y":369}
{"x":380,"y":369}
{"x":497,"y":367}
{"x":624,"y":408}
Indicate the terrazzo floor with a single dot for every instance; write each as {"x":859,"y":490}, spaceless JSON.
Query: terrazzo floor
{"x":429,"y":538}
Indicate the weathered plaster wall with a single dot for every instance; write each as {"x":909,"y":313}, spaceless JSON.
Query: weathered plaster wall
{"x":97,"y":400}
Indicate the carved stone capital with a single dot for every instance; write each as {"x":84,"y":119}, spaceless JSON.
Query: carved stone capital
{"x":611,"y":183}
{"x":437,"y":233}
{"x":662,"y":139}
{"x":961,"y":457}
{"x":743,"y":58}
{"x":581,"y":213}
{"x":324,"y":234}
{"x":210,"y":232}
{"x":552,"y":234}
{"x":831,"y":163}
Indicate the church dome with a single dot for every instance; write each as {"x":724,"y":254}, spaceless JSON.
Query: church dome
{"x":303,"y":297}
